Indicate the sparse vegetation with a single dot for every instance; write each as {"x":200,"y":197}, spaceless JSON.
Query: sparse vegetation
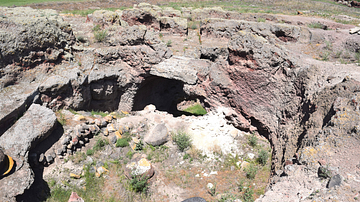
{"x":61,"y":117}
{"x":316,"y":25}
{"x":103,"y":114}
{"x":196,"y":109}
{"x":263,"y":157}
{"x":168,"y":44}
{"x":249,"y":195}
{"x":100,"y":35}
{"x":139,"y":184}
{"x":253,"y":140}
{"x":182,"y":140}
{"x":251,"y":171}
{"x":122,"y":142}
{"x":261,"y":20}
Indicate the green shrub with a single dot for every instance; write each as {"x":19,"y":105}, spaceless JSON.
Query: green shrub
{"x":139,"y":184}
{"x":96,"y":28}
{"x":168,"y":44}
{"x":251,"y":171}
{"x":89,"y":152}
{"x":263,"y":157}
{"x":123,"y":142}
{"x":182,"y":140}
{"x":249,"y":195}
{"x":253,"y":140}
{"x":139,"y":146}
{"x":129,"y":154}
{"x":261,"y":20}
{"x":100,"y":35}
{"x":100,"y":144}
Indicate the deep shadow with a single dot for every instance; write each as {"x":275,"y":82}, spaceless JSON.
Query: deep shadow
{"x":164,"y":93}
{"x":39,"y":190}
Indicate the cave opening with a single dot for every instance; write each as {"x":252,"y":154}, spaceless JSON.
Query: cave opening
{"x":165,"y":94}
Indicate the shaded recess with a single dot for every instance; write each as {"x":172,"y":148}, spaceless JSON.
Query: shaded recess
{"x":164,"y":93}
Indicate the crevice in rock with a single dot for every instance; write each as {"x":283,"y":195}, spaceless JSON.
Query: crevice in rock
{"x":328,"y":116}
{"x":283,"y":37}
{"x":147,"y":19}
{"x":261,"y":128}
{"x":32,"y":194}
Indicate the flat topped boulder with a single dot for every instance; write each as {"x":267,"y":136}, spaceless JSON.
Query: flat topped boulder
{"x":181,"y":68}
{"x":36,"y":124}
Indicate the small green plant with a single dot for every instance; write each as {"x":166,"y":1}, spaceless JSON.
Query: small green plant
{"x":240,"y":185}
{"x":182,"y":140}
{"x":357,"y":57}
{"x":122,"y":142}
{"x":168,"y":44}
{"x":100,"y":35}
{"x":139,"y":184}
{"x":253,"y":140}
{"x":139,"y":146}
{"x":316,"y":25}
{"x":100,"y":143}
{"x":261,"y":20}
{"x":129,"y":154}
{"x":96,"y":28}
{"x":249,"y":195}
{"x":263,"y":157}
{"x":61,"y":118}
{"x":325,"y":56}
{"x":196,"y":109}
{"x":251,"y":171}
{"x":89,"y":152}
{"x":338,"y":54}
{"x":82,"y":39}
{"x":161,"y":35}
{"x":186,"y":156}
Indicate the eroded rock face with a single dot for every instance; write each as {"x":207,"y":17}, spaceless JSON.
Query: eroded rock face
{"x":32,"y":36}
{"x":36,"y":124}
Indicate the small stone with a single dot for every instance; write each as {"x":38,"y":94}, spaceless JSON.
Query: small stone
{"x":72,"y":175}
{"x":66,"y":140}
{"x":251,"y":155}
{"x":334,"y":181}
{"x":41,"y":158}
{"x":244,"y":165}
{"x":354,"y":30}
{"x":106,"y":132}
{"x":210,"y":185}
{"x":322,"y":162}
{"x":118,"y":135}
{"x":86,"y":140}
{"x":82,"y":143}
{"x":111,"y":128}
{"x":79,"y":118}
{"x":49,"y":158}
{"x":75,"y":198}
{"x":113,"y":139}
{"x":194,"y":199}
{"x":101,"y":170}
{"x":59,"y":151}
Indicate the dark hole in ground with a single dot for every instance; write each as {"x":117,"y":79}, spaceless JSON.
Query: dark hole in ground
{"x":147,"y":19}
{"x":164,"y":93}
{"x":283,"y":37}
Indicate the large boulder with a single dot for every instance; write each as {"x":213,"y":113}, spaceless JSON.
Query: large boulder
{"x":158,"y":136}
{"x":33,"y":127}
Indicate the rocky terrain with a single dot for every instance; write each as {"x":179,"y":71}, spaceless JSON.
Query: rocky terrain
{"x":107,"y":95}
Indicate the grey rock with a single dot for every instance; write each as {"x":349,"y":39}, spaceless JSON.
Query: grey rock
{"x":41,"y":158}
{"x":113,"y":139}
{"x":194,"y":199}
{"x":54,"y":85}
{"x":334,"y":181}
{"x":31,"y":29}
{"x":158,"y":136}
{"x":181,"y":68}
{"x":49,"y":159}
{"x":14,"y":101}
{"x":66,"y":140}
{"x":173,"y":25}
{"x":82,"y":143}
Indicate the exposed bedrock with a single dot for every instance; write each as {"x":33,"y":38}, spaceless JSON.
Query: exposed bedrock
{"x":295,"y":102}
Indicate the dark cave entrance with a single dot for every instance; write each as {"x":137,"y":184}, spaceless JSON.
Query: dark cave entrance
{"x":164,"y":93}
